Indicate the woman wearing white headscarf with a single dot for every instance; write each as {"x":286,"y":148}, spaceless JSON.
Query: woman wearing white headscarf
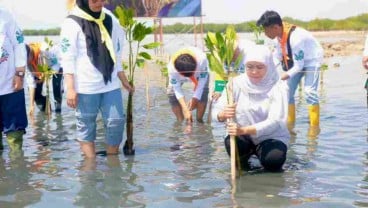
{"x":259,"y":111}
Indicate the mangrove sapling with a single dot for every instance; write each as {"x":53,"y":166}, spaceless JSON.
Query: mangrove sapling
{"x":220,"y":55}
{"x":257,"y":31}
{"x":47,"y":74}
{"x":135,"y":33}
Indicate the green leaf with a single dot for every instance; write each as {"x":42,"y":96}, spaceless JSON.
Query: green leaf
{"x":140,"y":63}
{"x":151,"y":45}
{"x":145,"y":55}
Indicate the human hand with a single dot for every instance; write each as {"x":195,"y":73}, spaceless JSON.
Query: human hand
{"x":228,"y":112}
{"x":129,"y":88}
{"x":233,"y":129}
{"x":193,"y":104}
{"x":31,"y":109}
{"x":17,"y":83}
{"x":365,"y":62}
{"x":71,"y":98}
{"x":216,"y":96}
{"x":284,"y":76}
{"x":188,"y":116}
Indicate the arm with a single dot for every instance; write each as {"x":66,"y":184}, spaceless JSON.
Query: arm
{"x":125,"y":82}
{"x":31,"y":100}
{"x":298,"y":50}
{"x":186,"y":111}
{"x":277,"y":109}
{"x":20,"y":54}
{"x":68,"y":54}
{"x":71,"y":94}
{"x":202,"y":75}
{"x":222,"y":110}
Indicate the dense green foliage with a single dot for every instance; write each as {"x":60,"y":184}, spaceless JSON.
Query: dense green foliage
{"x":359,"y":22}
{"x":47,"y":32}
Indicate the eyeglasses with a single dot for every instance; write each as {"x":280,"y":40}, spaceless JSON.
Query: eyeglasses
{"x":102,"y":1}
{"x":256,"y":67}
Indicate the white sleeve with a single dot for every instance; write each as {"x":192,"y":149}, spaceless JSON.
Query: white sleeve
{"x":175,"y":81}
{"x":68,"y":45}
{"x":118,"y":31}
{"x":202,"y":76}
{"x":17,"y":39}
{"x":298,"y":56}
{"x":219,"y":105}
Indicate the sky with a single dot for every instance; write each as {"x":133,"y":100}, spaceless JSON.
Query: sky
{"x":44,"y":14}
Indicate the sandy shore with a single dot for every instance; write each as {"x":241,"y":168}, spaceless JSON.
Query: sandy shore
{"x":341,"y":43}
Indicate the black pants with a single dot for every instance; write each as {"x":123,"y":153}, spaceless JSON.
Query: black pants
{"x":57,"y":91}
{"x":271,"y":153}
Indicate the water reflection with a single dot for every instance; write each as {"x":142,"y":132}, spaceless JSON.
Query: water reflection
{"x":362,"y":190}
{"x":193,"y":154}
{"x":266,"y":187}
{"x":15,"y":187}
{"x":106,"y":182}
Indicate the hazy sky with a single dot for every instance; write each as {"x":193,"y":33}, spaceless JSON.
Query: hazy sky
{"x":41,"y":14}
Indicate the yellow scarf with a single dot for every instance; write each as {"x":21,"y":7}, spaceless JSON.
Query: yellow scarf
{"x":105,"y":37}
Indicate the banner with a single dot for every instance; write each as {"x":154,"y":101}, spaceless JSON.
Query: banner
{"x":160,"y":8}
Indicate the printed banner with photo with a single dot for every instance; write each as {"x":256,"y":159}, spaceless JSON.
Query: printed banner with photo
{"x":160,"y":8}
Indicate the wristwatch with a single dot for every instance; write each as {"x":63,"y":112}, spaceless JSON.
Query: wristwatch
{"x":19,"y":73}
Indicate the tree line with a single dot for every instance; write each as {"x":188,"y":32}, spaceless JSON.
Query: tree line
{"x":359,"y":22}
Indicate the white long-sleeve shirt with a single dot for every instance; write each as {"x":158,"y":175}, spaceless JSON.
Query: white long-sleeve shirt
{"x":201,"y":73}
{"x":13,"y":51}
{"x":74,"y":58}
{"x":266,"y":112}
{"x":307,"y":51}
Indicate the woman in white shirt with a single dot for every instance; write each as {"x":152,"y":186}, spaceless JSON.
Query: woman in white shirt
{"x":259,"y":111}
{"x":91,"y":57}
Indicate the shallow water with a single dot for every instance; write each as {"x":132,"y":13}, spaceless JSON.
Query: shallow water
{"x":174,"y":169}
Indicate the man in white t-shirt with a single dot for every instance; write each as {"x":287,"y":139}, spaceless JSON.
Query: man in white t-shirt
{"x":188,"y":64}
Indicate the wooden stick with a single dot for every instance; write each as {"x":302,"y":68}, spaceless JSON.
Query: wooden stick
{"x":146,"y":73}
{"x":233,"y":152}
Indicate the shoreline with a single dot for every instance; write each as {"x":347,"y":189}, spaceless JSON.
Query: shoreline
{"x":341,"y":43}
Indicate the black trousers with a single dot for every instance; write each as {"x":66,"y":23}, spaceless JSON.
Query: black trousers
{"x":270,"y":152}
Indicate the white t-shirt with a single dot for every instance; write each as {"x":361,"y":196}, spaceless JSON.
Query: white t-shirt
{"x":307,"y":51}
{"x":75,"y":60}
{"x":13,"y":51}
{"x":201,"y":73}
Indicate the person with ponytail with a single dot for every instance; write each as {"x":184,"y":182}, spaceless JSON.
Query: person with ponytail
{"x":91,"y":42}
{"x":188,"y":64}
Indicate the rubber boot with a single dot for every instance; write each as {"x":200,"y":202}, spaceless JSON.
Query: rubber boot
{"x":1,"y":142}
{"x":313,"y":115}
{"x":291,"y":119}
{"x":291,"y":114}
{"x":15,"y":140}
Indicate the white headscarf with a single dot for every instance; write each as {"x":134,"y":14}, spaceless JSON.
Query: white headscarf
{"x":261,"y":53}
